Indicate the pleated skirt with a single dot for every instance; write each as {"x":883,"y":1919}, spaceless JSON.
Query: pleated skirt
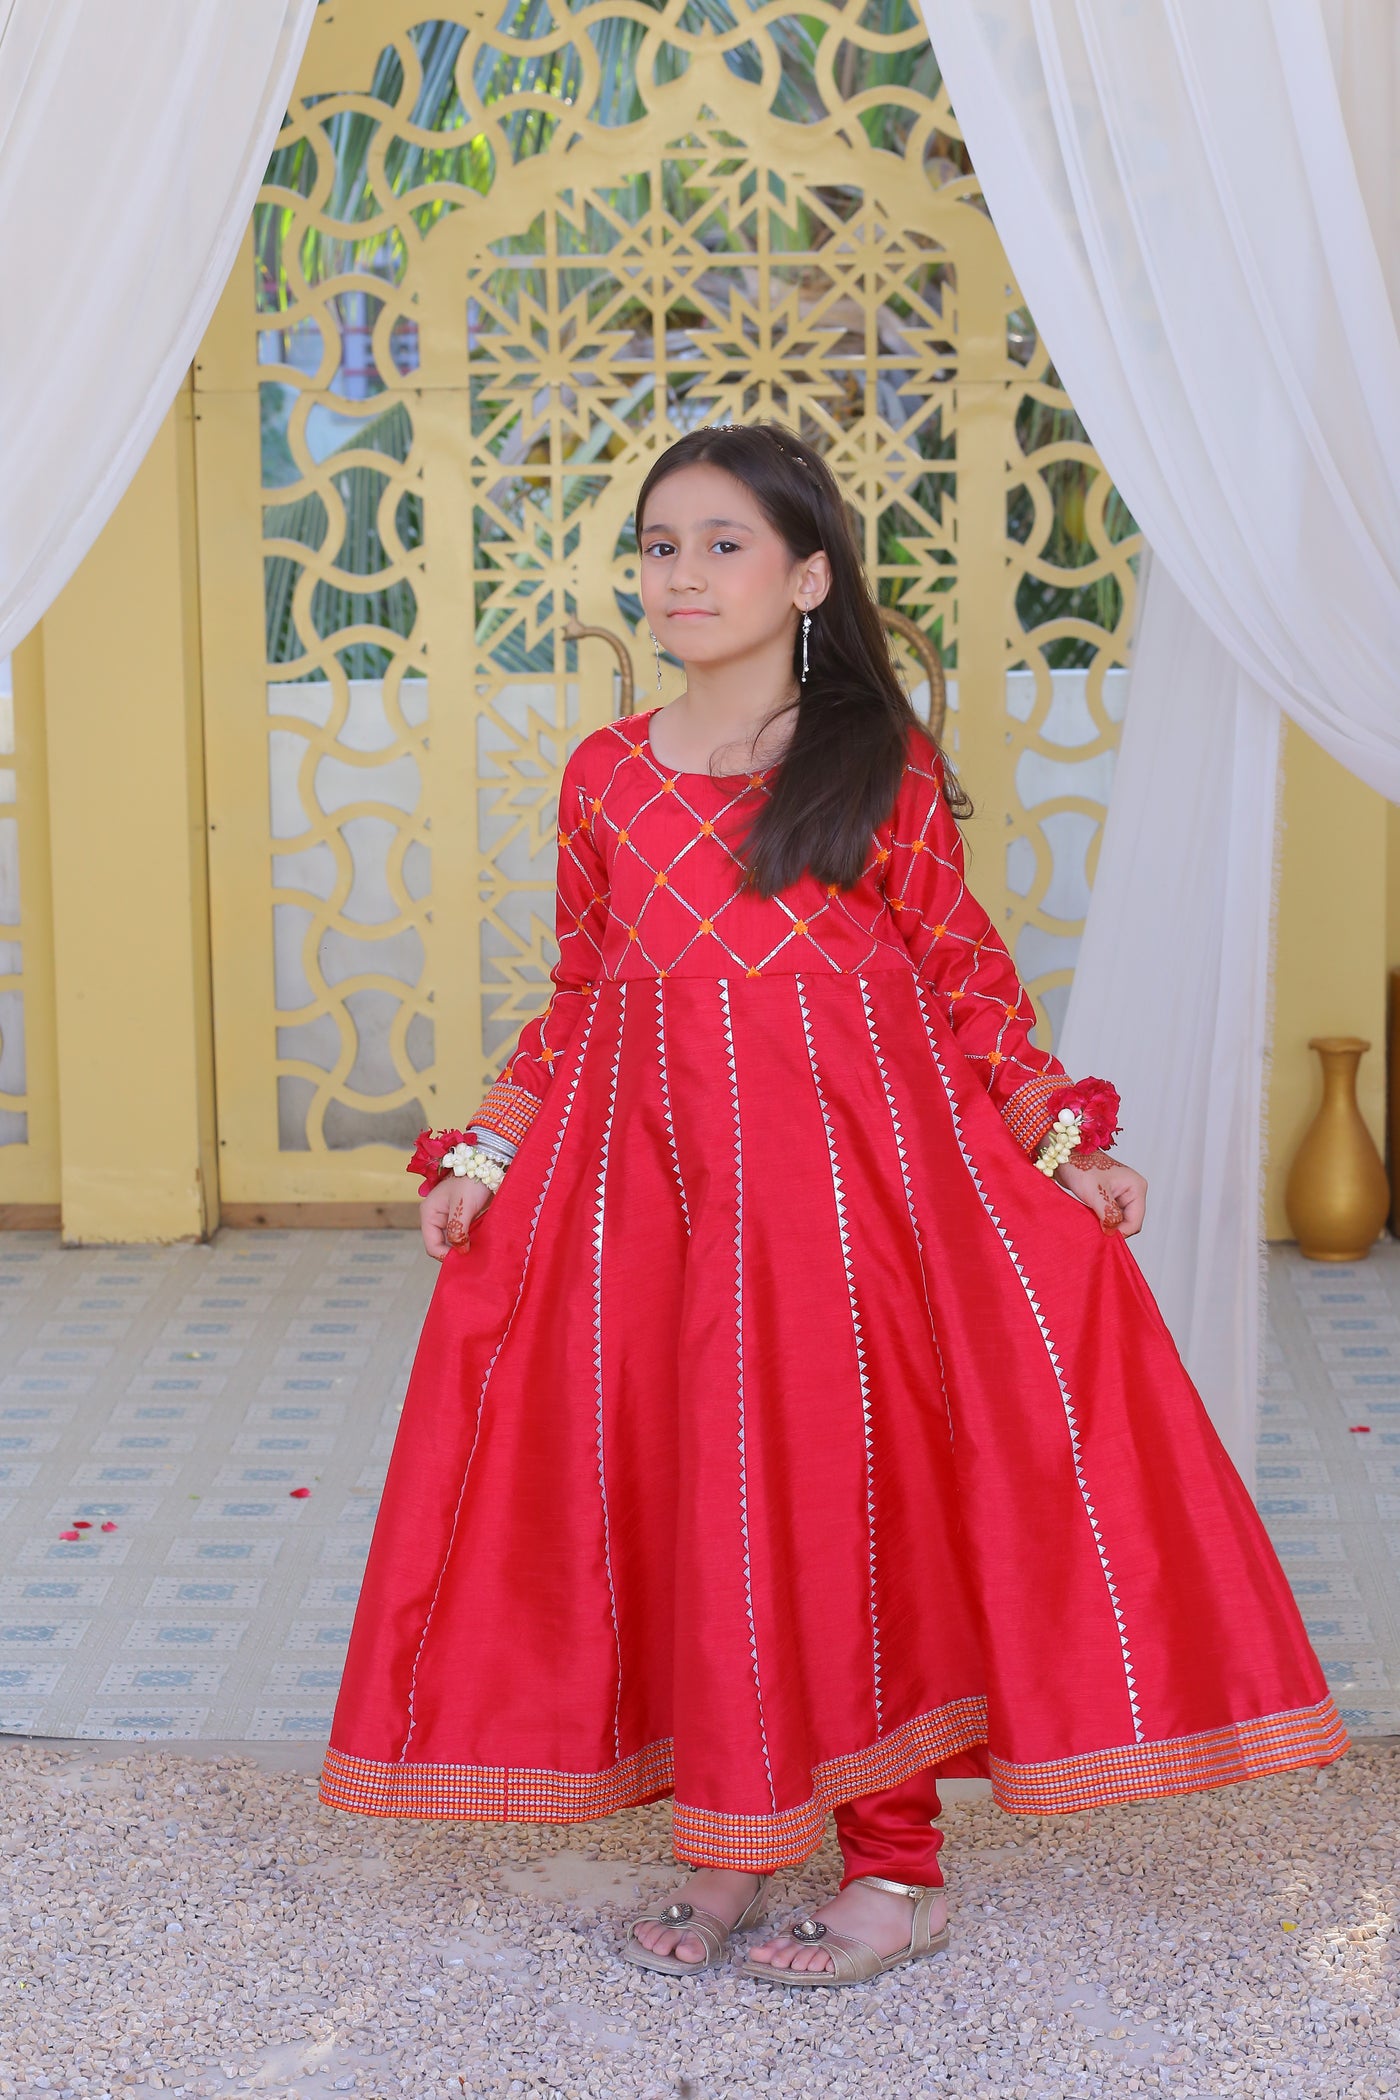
{"x":783,"y":1432}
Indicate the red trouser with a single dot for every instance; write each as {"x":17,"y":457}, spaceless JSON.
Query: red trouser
{"x":893,"y":1834}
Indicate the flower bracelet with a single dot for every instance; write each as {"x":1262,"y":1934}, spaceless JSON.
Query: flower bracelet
{"x":1087,"y":1122}
{"x":463,"y":1153}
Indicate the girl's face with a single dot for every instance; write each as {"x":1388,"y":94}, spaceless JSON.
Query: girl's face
{"x":718,"y":582}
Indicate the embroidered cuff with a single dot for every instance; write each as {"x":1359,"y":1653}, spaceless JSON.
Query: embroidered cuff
{"x":1030,"y":1111}
{"x":509,"y":1110}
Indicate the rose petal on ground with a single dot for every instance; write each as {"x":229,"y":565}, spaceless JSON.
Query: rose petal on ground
{"x":300,"y":1494}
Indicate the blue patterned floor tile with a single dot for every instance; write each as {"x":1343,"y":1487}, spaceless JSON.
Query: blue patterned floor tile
{"x":29,"y":1678}
{"x":1361,"y":1672}
{"x":53,"y":1552}
{"x":329,"y":1593}
{"x":168,"y":1408}
{"x":119,"y":1476}
{"x":331,"y":1634}
{"x":242,"y":1510}
{"x":163,"y":1360}
{"x":132,"y":1443}
{"x":43,"y":1593}
{"x":22,"y":1714}
{"x":143,"y":1724}
{"x":24,"y":1635}
{"x":1320,"y":1507}
{"x":120,"y":1508}
{"x":191,"y":1381}
{"x":304,"y":1678}
{"x":33,"y":1383}
{"x":176,"y":1636}
{"x":221,"y":1553}
{"x":1294,"y":1548}
{"x":199,"y":1592}
{"x":308,"y":1360}
{"x":1332,"y":1625}
{"x":324,"y":1413}
{"x":1338,"y":1585}
{"x":338,"y":1551}
{"x":271,"y":1724}
{"x":154,"y":1679}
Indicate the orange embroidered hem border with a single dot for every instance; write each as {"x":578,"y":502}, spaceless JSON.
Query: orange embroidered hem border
{"x":493,"y":1793}
{"x":1311,"y":1735}
{"x":703,"y":1837}
{"x":1188,"y":1764}
{"x":1027,"y":1113}
{"x":509,"y":1110}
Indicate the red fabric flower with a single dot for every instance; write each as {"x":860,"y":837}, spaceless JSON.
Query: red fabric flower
{"x":1096,"y":1104}
{"x":428,"y":1154}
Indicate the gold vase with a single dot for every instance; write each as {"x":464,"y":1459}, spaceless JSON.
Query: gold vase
{"x":1337,"y":1195}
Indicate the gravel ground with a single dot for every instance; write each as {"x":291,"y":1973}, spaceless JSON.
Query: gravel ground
{"x":171,"y":1923}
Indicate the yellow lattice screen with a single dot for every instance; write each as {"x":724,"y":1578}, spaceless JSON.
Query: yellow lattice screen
{"x":501,"y":258}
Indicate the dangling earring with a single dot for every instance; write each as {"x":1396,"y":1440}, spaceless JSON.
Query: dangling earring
{"x":806,"y":630}
{"x":657,"y":647}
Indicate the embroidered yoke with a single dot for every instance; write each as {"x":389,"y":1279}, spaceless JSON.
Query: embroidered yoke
{"x":648,"y":886}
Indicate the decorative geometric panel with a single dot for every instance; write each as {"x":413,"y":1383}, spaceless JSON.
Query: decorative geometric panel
{"x":502,"y":257}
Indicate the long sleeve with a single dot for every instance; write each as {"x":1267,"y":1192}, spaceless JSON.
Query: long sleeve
{"x":580,"y":914}
{"x":960,"y":955}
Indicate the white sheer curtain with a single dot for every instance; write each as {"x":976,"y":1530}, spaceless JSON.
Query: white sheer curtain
{"x":1201,"y":204}
{"x":132,"y":141}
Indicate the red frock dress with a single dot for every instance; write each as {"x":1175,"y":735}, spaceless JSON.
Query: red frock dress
{"x":783,"y":1432}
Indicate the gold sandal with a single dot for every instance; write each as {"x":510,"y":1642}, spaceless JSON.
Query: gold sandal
{"x":712,"y":1933}
{"x":852,"y":1960}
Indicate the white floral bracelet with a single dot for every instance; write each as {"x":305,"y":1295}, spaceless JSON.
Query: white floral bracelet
{"x":1059,"y":1141}
{"x":471,"y":1162}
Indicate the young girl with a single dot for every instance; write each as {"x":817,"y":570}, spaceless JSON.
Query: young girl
{"x":791,"y":1424}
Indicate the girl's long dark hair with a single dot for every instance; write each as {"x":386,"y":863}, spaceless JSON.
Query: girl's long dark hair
{"x":842,"y":767}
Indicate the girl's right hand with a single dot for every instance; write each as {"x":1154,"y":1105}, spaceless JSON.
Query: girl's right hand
{"x":447,"y":1212}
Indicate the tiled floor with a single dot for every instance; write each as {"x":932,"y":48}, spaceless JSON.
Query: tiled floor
{"x":182,"y":1394}
{"x":1329,"y":1467}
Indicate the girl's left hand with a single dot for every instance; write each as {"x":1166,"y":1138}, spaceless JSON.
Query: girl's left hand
{"x":1117,"y":1194}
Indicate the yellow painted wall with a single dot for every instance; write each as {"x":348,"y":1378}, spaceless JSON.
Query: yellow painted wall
{"x":123,"y":712}
{"x":1392,"y":886}
{"x":1338,"y":931}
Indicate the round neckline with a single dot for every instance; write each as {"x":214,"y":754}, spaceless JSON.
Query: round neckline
{"x":680,"y":773}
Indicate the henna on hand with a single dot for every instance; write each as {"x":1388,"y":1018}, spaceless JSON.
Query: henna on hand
{"x":1087,"y":1160}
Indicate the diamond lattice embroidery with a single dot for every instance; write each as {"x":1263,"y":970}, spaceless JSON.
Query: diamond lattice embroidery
{"x":651,"y":884}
